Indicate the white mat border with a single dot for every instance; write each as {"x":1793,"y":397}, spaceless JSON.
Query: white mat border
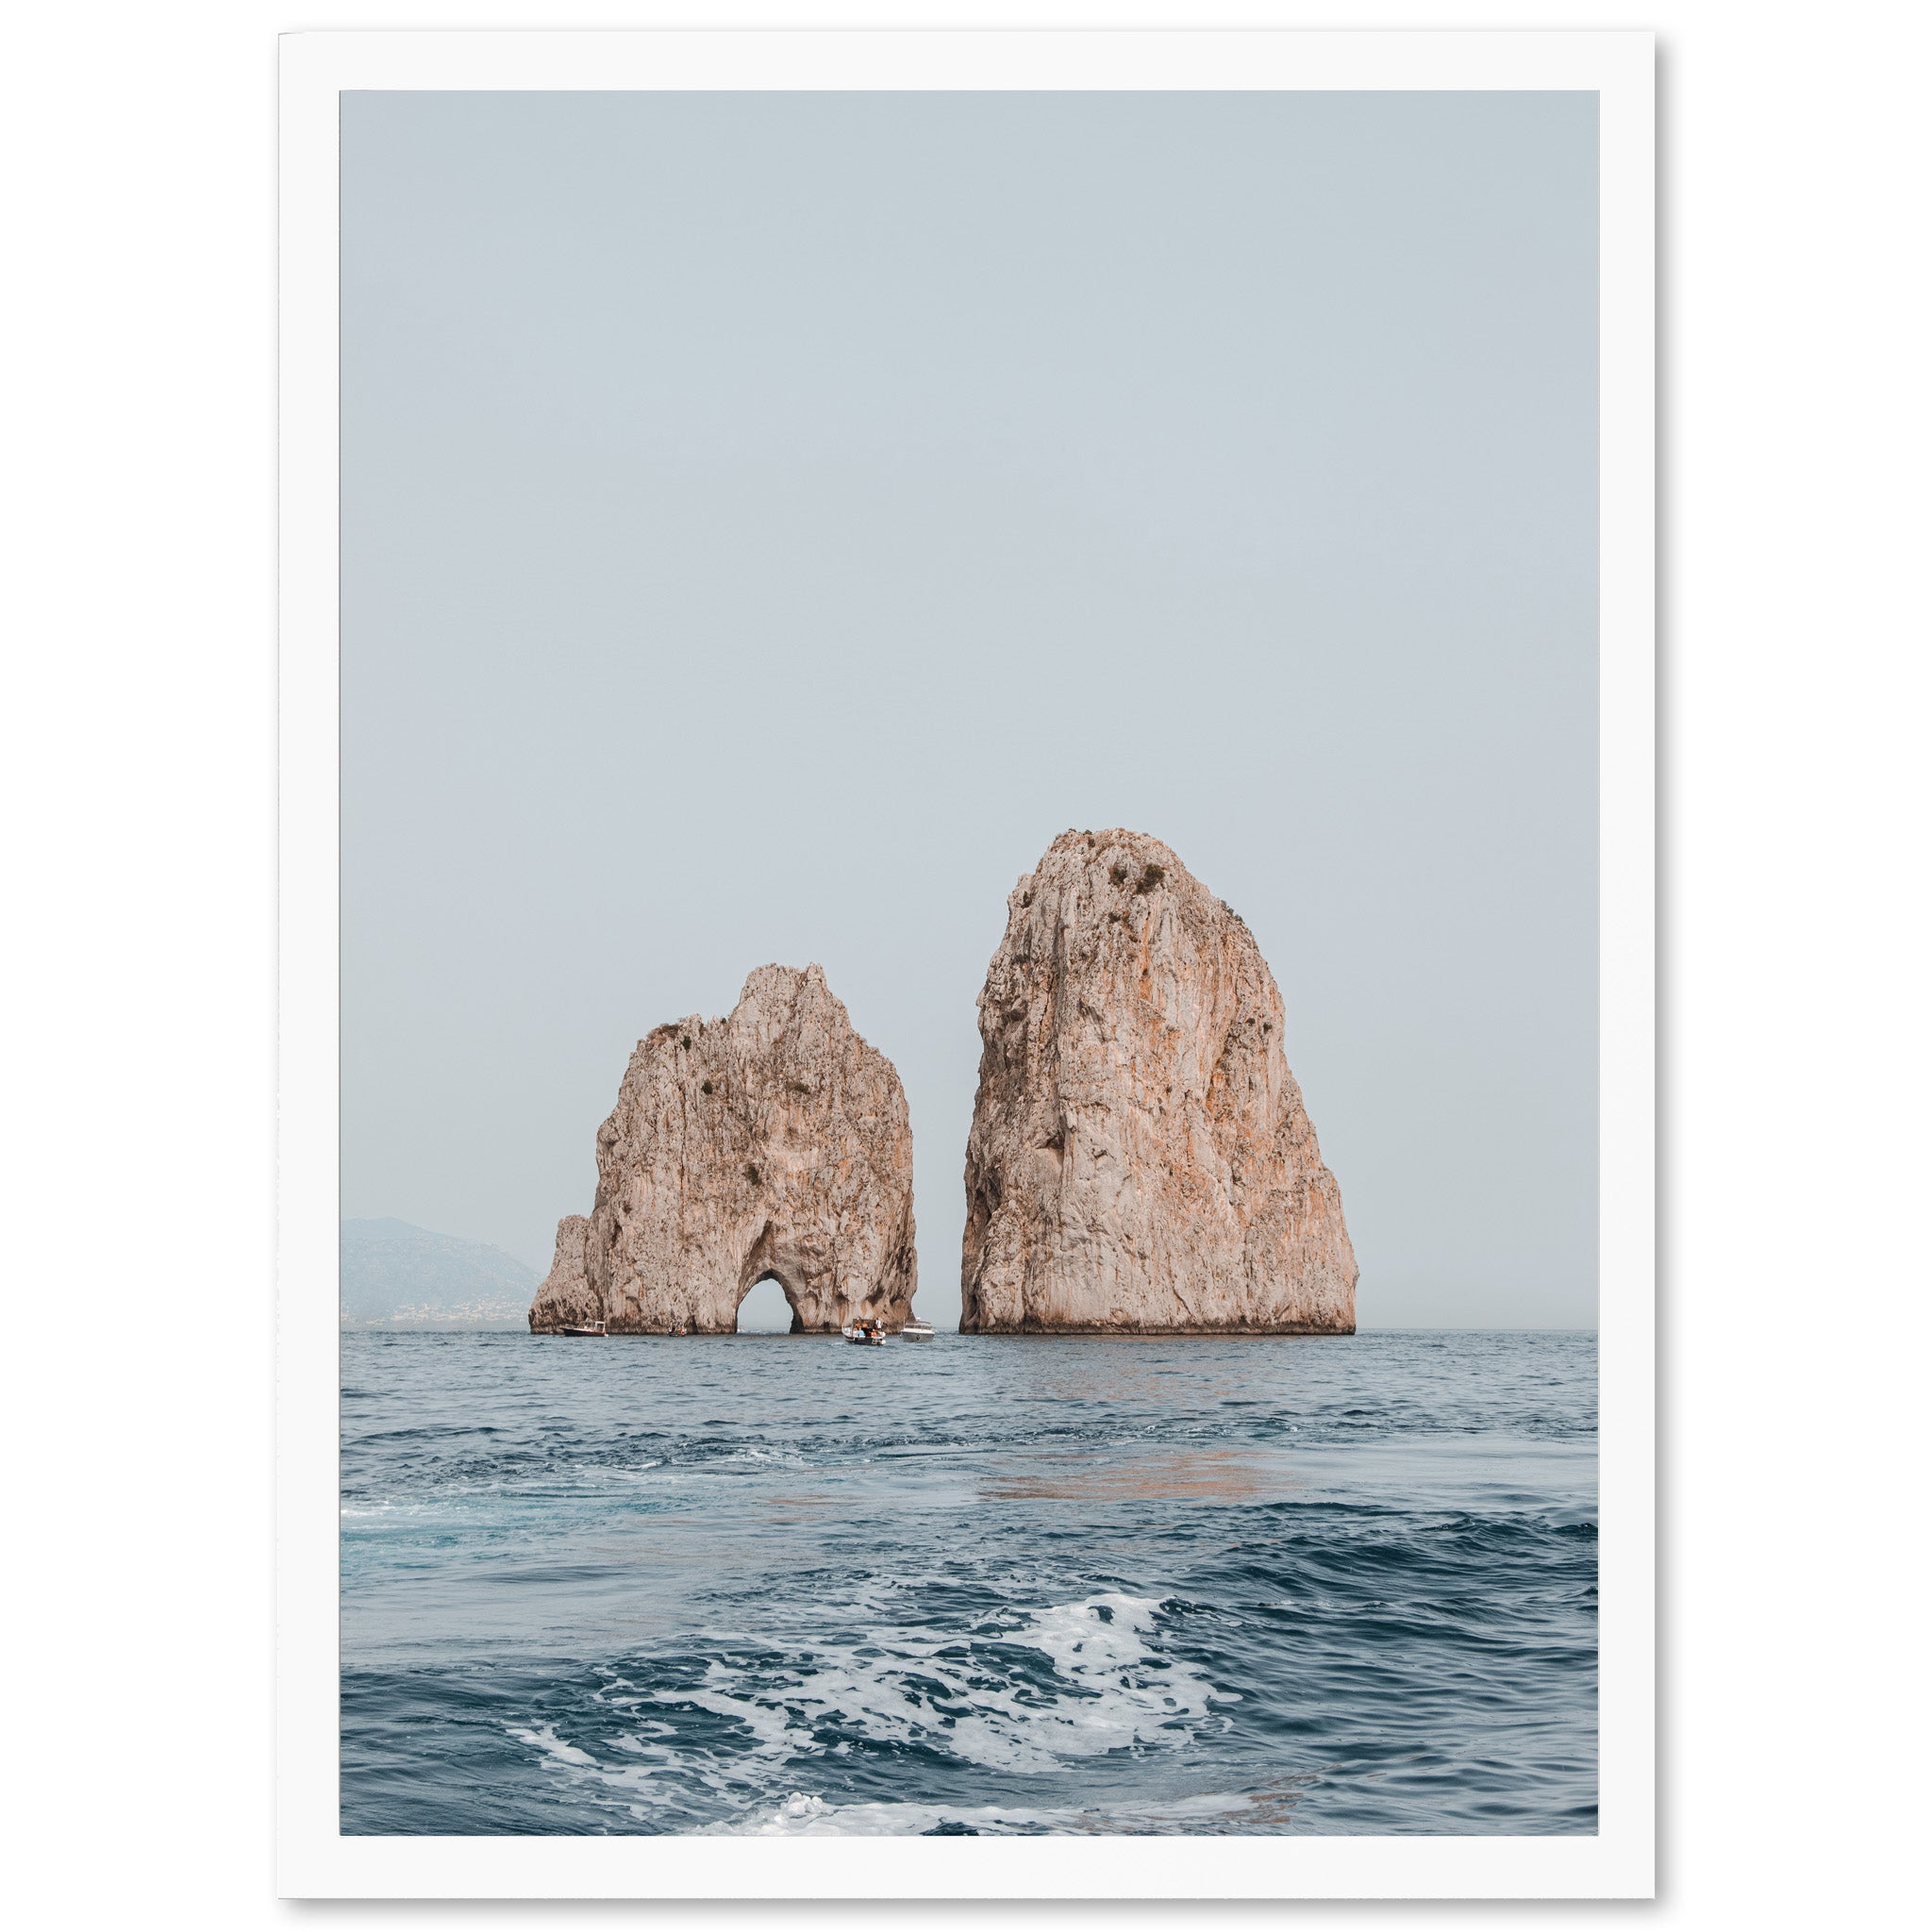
{"x":314,"y":1860}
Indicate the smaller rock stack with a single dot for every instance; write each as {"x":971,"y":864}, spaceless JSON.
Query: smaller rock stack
{"x":771,"y":1144}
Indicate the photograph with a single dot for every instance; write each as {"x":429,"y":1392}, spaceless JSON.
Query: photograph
{"x":970,"y":962}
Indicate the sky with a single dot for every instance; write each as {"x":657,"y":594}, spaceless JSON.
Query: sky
{"x":769,"y":519}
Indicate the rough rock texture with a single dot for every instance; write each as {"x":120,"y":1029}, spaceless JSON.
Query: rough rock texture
{"x":565,"y":1296}
{"x":773,"y":1143}
{"x":1140,"y":1160}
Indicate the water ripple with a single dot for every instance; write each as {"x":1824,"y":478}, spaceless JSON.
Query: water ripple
{"x":970,"y":1586}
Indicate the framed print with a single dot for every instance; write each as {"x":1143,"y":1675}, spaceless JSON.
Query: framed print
{"x":966,"y":1116}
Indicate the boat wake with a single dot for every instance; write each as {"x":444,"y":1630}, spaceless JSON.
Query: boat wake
{"x":1204,"y":1588}
{"x":1025,"y":1696}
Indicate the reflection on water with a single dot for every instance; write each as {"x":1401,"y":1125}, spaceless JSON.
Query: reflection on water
{"x":1230,"y":1475}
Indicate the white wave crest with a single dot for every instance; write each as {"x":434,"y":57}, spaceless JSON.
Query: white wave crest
{"x":546,"y":1741}
{"x":970,"y":1697}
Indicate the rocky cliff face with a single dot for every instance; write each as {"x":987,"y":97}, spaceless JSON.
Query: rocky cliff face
{"x":564,"y":1299}
{"x":773,"y":1143}
{"x":1140,"y":1160}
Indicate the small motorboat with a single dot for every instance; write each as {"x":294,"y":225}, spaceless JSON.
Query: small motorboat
{"x":585,"y":1329}
{"x":867,"y":1333}
{"x":916,"y":1330}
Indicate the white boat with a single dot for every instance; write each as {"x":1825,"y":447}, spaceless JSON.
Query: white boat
{"x":916,"y":1330}
{"x":867,"y":1333}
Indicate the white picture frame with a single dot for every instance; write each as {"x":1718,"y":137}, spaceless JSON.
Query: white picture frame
{"x":315,"y":1860}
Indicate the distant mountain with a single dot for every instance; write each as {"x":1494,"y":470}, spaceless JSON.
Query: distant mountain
{"x":396,"y":1276}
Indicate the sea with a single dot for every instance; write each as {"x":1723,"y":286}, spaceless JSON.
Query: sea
{"x":778,"y":1584}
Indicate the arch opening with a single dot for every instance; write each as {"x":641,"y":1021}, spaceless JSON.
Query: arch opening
{"x":765,"y":1309}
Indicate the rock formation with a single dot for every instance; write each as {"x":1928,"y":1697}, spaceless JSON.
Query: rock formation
{"x":564,"y":1298}
{"x":1140,"y":1160}
{"x":773,"y":1143}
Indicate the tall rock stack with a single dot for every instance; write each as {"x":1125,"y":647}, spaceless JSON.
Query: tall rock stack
{"x":1140,"y":1160}
{"x":774,"y":1143}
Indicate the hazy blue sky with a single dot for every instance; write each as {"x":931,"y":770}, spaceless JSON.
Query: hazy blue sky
{"x":768,"y":520}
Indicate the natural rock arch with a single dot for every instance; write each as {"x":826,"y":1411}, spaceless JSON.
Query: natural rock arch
{"x":764,"y":1312}
{"x":774,"y":1143}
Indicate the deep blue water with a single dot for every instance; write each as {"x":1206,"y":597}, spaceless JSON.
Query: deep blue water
{"x":782,"y":1584}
